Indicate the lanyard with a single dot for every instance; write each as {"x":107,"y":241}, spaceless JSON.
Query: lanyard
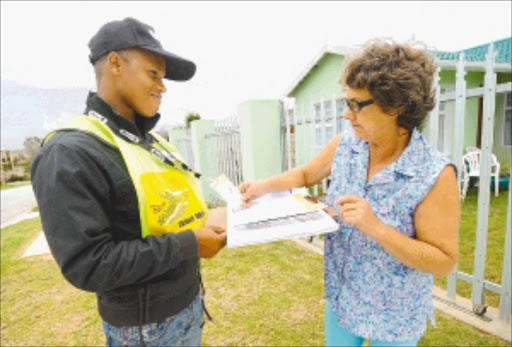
{"x":163,"y":154}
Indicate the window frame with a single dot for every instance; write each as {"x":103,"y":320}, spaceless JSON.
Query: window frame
{"x":318,"y":124}
{"x":445,"y":126}
{"x":339,"y":116}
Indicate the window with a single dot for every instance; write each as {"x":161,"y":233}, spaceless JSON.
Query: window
{"x":507,"y":120}
{"x":318,"y":136}
{"x":340,"y":110}
{"x":291,"y":115}
{"x":317,"y":112}
{"x":320,"y":126}
{"x":327,"y":110}
{"x":328,"y":133}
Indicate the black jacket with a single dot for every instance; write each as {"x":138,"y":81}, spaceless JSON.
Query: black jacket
{"x":90,"y":216}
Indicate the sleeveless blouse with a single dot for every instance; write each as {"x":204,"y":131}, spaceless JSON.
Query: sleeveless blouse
{"x":373,"y":294}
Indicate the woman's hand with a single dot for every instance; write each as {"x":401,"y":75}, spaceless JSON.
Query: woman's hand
{"x":251,"y":190}
{"x":356,"y":211}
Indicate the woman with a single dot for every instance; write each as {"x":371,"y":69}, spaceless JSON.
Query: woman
{"x":396,"y":198}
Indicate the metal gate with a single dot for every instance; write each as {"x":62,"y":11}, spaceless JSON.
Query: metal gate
{"x":223,"y":146}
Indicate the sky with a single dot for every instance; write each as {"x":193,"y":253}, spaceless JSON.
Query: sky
{"x":243,"y":50}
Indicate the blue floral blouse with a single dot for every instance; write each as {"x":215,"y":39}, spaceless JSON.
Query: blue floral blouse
{"x":373,"y":294}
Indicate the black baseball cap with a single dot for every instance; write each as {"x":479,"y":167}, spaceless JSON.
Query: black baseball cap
{"x":131,"y":33}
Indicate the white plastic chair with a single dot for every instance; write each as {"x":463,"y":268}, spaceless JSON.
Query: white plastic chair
{"x":472,"y":149}
{"x":471,"y":162}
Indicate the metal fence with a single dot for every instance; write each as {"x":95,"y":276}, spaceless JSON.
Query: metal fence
{"x":318,"y":122}
{"x":488,"y":92}
{"x":223,"y":146}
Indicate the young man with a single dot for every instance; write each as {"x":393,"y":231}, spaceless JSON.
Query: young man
{"x":123,"y":215}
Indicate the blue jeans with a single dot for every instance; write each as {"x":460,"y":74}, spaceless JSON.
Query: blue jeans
{"x":182,"y":329}
{"x":337,"y":336}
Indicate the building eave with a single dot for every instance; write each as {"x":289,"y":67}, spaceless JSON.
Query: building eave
{"x":338,"y":50}
{"x":474,"y":66}
{"x":344,"y":50}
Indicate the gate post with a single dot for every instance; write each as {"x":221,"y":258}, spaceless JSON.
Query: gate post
{"x":202,"y":164}
{"x":260,"y":138}
{"x":477,"y":290}
{"x":458,"y":140}
{"x":433,"y":117}
{"x":176,"y":138}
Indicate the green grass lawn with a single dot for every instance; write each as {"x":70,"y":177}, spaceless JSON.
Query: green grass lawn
{"x":268,"y":295}
{"x":495,"y":243}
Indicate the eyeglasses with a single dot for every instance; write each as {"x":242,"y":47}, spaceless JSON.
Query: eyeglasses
{"x":356,"y":106}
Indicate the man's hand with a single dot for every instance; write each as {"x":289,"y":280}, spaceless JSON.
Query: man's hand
{"x":251,"y":191}
{"x":356,"y":211}
{"x":210,"y":240}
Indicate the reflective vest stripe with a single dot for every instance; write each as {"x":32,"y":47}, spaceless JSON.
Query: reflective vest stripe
{"x":170,"y":199}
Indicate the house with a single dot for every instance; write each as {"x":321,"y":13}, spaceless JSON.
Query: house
{"x":13,"y":165}
{"x":317,"y":92}
{"x":7,"y":160}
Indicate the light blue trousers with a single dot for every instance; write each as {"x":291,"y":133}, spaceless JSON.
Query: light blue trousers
{"x":337,"y":336}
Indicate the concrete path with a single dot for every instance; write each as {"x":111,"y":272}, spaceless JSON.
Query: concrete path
{"x":15,"y":203}
{"x":38,"y":247}
{"x":19,"y":218}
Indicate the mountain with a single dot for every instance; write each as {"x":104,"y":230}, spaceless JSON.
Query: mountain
{"x":33,"y":111}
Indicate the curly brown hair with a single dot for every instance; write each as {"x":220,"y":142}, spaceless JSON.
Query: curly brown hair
{"x":398,"y":76}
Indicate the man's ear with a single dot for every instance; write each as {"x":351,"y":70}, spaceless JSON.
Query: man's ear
{"x":115,"y":63}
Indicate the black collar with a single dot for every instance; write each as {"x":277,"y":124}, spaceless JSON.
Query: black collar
{"x":142,"y":124}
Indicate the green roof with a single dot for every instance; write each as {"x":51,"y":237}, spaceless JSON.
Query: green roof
{"x":504,"y":55}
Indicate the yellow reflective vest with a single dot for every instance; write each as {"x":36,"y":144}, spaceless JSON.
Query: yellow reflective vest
{"x":170,"y":198}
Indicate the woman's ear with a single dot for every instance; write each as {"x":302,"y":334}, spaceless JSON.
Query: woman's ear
{"x":397,"y":111}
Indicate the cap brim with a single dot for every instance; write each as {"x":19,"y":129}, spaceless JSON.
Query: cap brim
{"x":176,"y":67}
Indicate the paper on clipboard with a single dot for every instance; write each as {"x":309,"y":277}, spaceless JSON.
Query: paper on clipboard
{"x":227,"y":191}
{"x":275,"y":216}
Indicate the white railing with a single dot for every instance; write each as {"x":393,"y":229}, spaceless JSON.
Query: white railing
{"x":477,"y":279}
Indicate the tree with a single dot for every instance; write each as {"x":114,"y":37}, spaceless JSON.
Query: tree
{"x":191,"y":117}
{"x":32,"y":145}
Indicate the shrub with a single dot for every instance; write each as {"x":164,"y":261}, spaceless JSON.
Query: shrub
{"x":15,"y":178}
{"x":505,"y":169}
